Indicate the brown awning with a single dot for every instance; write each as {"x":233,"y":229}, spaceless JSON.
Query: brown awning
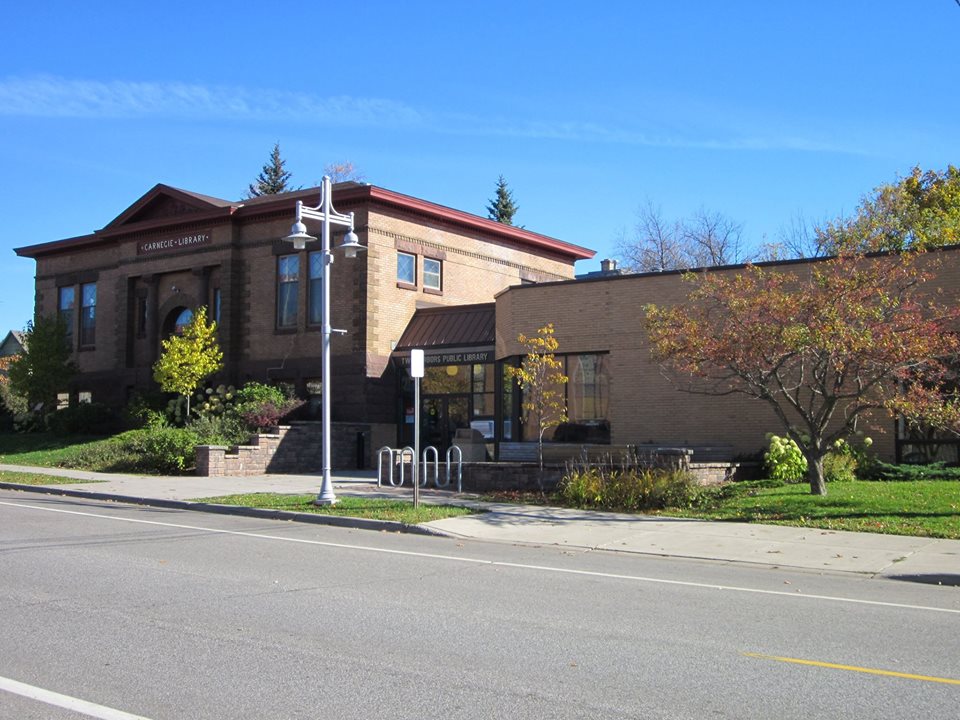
{"x":460,"y":326}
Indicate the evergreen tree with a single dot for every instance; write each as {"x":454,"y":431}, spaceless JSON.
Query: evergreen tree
{"x":502,"y":207}
{"x":273,"y":178}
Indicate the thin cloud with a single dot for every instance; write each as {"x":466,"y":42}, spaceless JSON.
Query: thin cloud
{"x":57,"y":97}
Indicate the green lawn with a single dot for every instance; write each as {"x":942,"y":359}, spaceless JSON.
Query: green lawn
{"x":42,"y":449}
{"x":371,"y":508}
{"x":33,"y":479}
{"x":925,"y":508}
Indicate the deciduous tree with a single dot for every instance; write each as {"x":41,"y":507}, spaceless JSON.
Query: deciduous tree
{"x":821,"y":344}
{"x":188,"y":359}
{"x":541,"y":380}
{"x":706,"y":238}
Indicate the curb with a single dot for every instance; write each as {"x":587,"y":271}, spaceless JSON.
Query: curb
{"x":238,"y":510}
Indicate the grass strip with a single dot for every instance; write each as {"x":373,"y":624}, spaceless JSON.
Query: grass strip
{"x":923,"y":508}
{"x":346,"y":506}
{"x":22,"y":478}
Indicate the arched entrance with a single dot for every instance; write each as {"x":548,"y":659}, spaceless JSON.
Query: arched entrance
{"x":176,"y":320}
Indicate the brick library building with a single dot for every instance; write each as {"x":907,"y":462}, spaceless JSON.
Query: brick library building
{"x":458,"y":286}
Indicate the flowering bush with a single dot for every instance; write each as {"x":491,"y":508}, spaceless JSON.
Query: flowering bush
{"x":783,"y":459}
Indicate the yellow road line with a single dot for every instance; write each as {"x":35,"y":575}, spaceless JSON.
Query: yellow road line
{"x":854,"y":668}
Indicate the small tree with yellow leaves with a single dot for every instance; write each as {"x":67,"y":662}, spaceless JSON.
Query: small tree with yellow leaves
{"x":189,"y":358}
{"x":540,"y":378}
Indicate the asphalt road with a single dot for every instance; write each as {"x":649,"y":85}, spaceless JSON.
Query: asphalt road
{"x":173,"y":614}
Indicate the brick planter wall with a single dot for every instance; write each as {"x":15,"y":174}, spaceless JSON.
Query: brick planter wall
{"x":294,"y":448}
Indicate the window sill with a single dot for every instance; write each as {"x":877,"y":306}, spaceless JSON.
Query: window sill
{"x":432,"y":291}
{"x":285,"y":331}
{"x":406,"y":286}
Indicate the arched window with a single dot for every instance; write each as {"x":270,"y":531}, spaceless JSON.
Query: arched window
{"x":183,"y":319}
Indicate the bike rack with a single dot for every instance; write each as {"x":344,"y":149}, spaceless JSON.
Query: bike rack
{"x":450,"y":461}
{"x":427,"y":451}
{"x":430,"y":459}
{"x":394,"y":457}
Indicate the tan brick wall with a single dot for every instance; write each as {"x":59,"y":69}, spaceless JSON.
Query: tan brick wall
{"x":646,"y":408}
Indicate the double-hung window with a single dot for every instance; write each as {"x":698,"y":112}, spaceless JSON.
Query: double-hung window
{"x":88,"y":314}
{"x":406,"y":268}
{"x":315,"y":290}
{"x":432,"y":274}
{"x":66,"y":306}
{"x":288,"y":288}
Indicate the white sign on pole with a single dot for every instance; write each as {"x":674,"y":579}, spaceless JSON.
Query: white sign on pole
{"x":416,"y":363}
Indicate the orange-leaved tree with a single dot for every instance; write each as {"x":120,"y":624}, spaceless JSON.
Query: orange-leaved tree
{"x":821,"y":343}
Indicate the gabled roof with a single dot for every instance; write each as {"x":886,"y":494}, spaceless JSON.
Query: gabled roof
{"x":13,"y":343}
{"x":163,"y":202}
{"x":448,"y":327}
{"x":164,"y":206}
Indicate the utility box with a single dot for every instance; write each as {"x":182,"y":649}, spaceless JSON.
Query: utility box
{"x":471,"y":444}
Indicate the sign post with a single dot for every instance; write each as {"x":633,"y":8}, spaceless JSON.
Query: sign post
{"x":416,"y":372}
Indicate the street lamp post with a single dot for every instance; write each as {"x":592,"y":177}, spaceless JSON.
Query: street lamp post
{"x":351,"y":245}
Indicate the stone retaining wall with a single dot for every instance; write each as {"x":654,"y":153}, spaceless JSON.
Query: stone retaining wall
{"x":294,"y":448}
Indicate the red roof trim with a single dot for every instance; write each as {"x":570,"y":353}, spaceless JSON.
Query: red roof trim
{"x":476,"y":222}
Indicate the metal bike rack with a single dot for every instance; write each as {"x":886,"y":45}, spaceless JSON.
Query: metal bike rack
{"x":430,"y":461}
{"x":394,"y":457}
{"x":427,"y":451}
{"x":449,"y":476}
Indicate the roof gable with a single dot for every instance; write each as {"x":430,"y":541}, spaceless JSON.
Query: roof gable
{"x":163,"y":202}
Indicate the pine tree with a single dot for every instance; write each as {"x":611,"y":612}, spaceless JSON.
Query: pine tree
{"x":273,"y":178}
{"x":502,"y":207}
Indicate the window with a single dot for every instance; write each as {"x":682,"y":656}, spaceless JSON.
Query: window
{"x":587,"y":393}
{"x":84,"y":396}
{"x":88,"y":314}
{"x":288,"y":286}
{"x":431,"y":273}
{"x":66,"y":303}
{"x":141,"y":317}
{"x":63,"y":401}
{"x":315,"y":289}
{"x":406,"y":268}
{"x":216,"y":305}
{"x":183,"y":319}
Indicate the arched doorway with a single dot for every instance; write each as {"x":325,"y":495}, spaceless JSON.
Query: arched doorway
{"x":176,"y":320}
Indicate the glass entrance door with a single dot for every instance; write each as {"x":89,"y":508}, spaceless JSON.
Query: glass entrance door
{"x":442,"y":417}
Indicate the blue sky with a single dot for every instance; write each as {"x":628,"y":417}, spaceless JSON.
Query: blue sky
{"x":760,"y":110}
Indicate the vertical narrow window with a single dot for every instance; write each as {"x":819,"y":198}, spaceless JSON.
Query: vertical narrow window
{"x":88,"y":314}
{"x":432,"y":274}
{"x":406,"y":268}
{"x":66,"y":303}
{"x":216,"y":305}
{"x":315,"y":289}
{"x":141,"y":317}
{"x":288,"y":286}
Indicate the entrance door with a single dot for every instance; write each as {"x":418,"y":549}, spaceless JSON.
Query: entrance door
{"x":442,"y":416}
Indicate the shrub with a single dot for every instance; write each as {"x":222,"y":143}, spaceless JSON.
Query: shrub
{"x":227,"y":429}
{"x":839,"y":467}
{"x":630,"y":490}
{"x":783,"y":459}
{"x":86,"y":418}
{"x":164,"y":449}
{"x":267,"y":415}
{"x":254,"y":393}
{"x":907,"y":473}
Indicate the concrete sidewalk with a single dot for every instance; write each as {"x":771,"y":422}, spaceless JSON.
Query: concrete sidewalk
{"x":813,"y":549}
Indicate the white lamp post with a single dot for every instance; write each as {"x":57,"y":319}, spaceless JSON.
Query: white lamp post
{"x":351,"y":245}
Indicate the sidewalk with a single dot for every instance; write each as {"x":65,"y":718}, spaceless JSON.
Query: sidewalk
{"x":809,"y":548}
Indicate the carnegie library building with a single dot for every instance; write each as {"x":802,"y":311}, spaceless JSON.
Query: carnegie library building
{"x":458,"y":286}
